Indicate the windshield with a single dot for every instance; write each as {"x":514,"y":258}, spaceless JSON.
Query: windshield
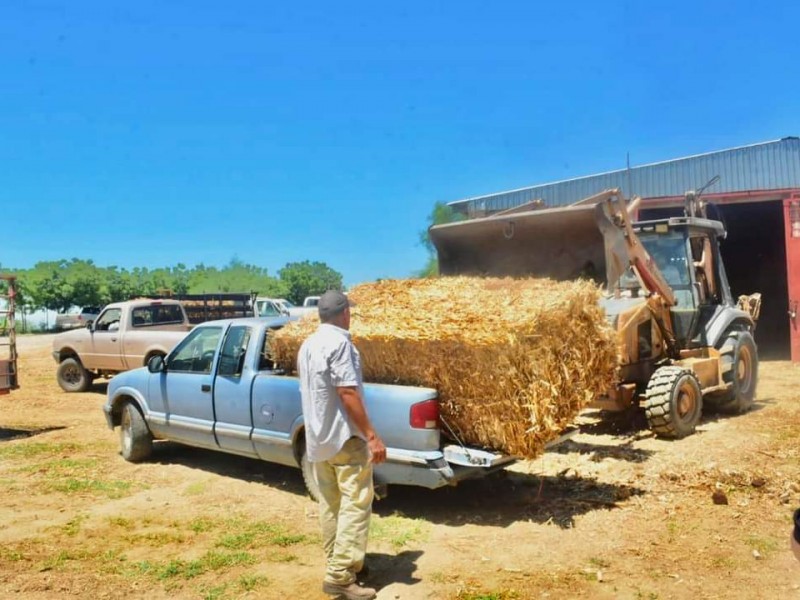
{"x":668,"y":251}
{"x":267,"y":309}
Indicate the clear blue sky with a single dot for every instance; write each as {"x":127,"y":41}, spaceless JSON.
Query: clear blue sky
{"x":155,"y":133}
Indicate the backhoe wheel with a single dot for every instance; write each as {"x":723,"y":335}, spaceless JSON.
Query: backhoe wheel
{"x":135,"y":438}
{"x":740,"y":369}
{"x":673,"y":402}
{"x":72,"y":377}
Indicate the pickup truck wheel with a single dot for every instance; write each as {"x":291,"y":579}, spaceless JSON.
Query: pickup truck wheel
{"x":308,"y":474}
{"x":72,"y":377}
{"x":673,"y":402}
{"x":135,"y":438}
{"x":739,"y":358}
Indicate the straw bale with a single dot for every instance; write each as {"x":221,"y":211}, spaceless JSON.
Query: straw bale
{"x":513,"y":360}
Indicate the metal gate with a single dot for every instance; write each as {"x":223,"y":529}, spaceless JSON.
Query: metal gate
{"x":8,"y":337}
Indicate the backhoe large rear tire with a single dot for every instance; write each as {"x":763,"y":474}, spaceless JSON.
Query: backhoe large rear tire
{"x":673,"y":402}
{"x":740,"y":369}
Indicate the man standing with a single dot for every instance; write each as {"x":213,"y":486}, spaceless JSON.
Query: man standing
{"x":341,"y":444}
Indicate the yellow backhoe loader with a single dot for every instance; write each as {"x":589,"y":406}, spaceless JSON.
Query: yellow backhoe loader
{"x":683,"y":339}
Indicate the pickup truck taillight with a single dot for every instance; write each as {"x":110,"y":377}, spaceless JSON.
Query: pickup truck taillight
{"x":424,"y":415}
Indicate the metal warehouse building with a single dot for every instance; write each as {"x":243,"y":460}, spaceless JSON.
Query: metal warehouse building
{"x":757,"y":198}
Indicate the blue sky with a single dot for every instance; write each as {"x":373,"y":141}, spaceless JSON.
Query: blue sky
{"x":156,"y":133}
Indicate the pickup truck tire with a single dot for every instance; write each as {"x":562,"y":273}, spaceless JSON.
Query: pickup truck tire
{"x":135,"y":438}
{"x":673,"y":402}
{"x":308,"y":473}
{"x":739,"y":358}
{"x":72,"y":377}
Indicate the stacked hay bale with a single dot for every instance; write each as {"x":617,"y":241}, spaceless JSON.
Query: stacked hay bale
{"x":513,"y":360}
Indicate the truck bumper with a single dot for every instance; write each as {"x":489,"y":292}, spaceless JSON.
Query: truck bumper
{"x":56,"y":356}
{"x":437,"y":469}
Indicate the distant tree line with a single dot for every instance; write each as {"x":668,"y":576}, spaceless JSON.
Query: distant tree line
{"x":60,"y":285}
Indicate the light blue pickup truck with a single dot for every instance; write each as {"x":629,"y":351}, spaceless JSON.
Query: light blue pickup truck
{"x":217,"y":389}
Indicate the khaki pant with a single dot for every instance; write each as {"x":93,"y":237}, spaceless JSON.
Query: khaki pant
{"x":345,"y":507}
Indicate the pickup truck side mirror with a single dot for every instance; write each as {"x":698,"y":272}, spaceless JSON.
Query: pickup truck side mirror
{"x":89,"y":324}
{"x":156,"y":364}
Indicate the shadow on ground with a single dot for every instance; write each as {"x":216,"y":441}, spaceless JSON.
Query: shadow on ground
{"x":386,"y":569}
{"x":13,"y":434}
{"x":98,"y":387}
{"x":507,"y":497}
{"x":229,"y":465}
{"x":599,"y":452}
{"x":631,"y":424}
{"x":498,"y":500}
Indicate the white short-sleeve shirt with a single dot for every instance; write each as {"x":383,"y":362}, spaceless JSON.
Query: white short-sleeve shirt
{"x":327,"y":360}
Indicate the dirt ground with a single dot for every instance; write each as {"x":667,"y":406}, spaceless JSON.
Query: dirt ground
{"x":613,"y":513}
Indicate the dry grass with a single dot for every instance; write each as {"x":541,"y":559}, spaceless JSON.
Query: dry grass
{"x":514,"y":360}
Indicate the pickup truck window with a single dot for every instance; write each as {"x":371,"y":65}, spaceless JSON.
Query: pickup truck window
{"x":109,"y":320}
{"x":196,"y":352}
{"x":265,"y":363}
{"x":267,"y":308}
{"x":231,"y":359}
{"x":156,"y":315}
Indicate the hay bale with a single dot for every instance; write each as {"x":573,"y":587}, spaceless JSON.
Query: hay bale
{"x":513,"y":360}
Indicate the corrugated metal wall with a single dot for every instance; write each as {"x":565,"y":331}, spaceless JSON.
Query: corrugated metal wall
{"x":765,"y":166}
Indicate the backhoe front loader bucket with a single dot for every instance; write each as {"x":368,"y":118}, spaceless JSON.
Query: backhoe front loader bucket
{"x":560,"y":243}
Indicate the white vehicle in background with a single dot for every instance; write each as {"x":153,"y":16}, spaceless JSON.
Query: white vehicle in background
{"x":311,"y":302}
{"x":89,"y":313}
{"x":309,"y":306}
{"x":74,"y":320}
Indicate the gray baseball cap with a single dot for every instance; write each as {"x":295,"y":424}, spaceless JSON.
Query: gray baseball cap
{"x":331,"y":303}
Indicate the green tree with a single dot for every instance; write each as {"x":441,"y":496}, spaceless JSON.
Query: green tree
{"x":63,"y":284}
{"x":86,"y":281}
{"x":50,"y":287}
{"x":236,"y":276}
{"x":308,"y":279}
{"x":117,"y":286}
{"x":441,"y":214}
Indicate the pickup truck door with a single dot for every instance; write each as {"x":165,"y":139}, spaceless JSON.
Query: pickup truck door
{"x":184,"y":389}
{"x":232,"y":385}
{"x":103,"y":349}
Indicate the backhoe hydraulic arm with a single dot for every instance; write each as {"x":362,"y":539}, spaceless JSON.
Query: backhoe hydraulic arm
{"x":624,"y":249}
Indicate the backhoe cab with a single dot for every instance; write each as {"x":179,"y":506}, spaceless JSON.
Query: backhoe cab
{"x":682,"y":337}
